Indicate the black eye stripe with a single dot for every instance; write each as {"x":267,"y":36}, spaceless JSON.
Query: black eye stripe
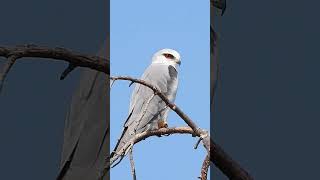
{"x":167,"y":55}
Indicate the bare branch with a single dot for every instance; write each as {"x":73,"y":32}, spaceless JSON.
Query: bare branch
{"x":93,"y":62}
{"x":221,"y":159}
{"x":58,"y":54}
{"x":205,"y":167}
{"x":227,"y":165}
{"x":163,"y":131}
{"x":175,"y":108}
{"x":144,"y":135}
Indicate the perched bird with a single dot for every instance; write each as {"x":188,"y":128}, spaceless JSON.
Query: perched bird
{"x":148,"y":111}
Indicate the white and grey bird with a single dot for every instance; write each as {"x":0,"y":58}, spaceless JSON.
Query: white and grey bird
{"x":147,"y":111}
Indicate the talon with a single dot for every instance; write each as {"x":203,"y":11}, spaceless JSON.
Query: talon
{"x":162,"y":124}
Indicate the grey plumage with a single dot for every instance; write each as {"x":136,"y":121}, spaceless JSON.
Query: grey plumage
{"x":147,"y":109}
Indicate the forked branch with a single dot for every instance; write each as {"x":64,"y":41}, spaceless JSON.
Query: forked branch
{"x":228,"y":166}
{"x":215,"y":153}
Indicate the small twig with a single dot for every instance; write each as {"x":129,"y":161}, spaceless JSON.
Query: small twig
{"x":11,"y":60}
{"x":111,"y":83}
{"x":197,"y":144}
{"x":133,"y":169}
{"x":67,"y":71}
{"x":205,"y":167}
{"x":131,"y":84}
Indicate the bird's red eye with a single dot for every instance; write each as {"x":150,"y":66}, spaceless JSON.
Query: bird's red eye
{"x":169,"y":56}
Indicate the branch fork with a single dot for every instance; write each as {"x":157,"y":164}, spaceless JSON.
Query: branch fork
{"x":215,"y":153}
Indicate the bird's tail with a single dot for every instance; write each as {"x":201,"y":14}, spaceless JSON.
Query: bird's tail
{"x":121,"y":149}
{"x":115,"y":155}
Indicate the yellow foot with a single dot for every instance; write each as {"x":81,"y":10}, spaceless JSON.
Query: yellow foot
{"x":162,"y":124}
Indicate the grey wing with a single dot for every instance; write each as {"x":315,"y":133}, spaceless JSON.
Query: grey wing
{"x":138,"y":90}
{"x":145,"y":108}
{"x":171,"y":90}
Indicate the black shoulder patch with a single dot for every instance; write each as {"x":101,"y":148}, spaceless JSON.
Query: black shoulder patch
{"x":172,"y":71}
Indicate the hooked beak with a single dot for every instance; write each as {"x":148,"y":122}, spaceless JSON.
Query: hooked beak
{"x":178,"y":62}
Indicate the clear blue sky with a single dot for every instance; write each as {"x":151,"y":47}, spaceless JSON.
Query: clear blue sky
{"x":138,"y":30}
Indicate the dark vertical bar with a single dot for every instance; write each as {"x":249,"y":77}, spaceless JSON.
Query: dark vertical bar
{"x":266,"y":108}
{"x":214,"y":78}
{"x":223,"y":166}
{"x":87,"y":127}
{"x":53,"y":129}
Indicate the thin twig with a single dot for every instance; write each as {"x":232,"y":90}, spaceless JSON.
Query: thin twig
{"x":11,"y":60}
{"x":67,"y":71}
{"x":197,"y":144}
{"x":111,"y":83}
{"x":133,"y":169}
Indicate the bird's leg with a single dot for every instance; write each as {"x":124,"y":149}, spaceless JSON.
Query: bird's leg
{"x":162,"y":124}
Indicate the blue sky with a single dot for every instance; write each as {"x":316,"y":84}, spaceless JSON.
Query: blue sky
{"x":138,"y":30}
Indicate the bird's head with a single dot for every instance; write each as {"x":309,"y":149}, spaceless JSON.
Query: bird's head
{"x":167,"y":56}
